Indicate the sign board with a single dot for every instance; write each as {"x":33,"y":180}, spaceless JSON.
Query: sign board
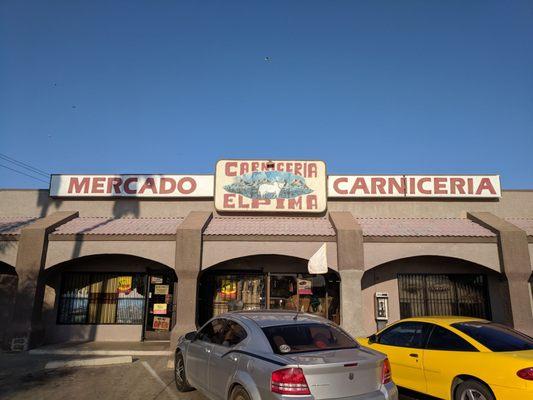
{"x":272,"y":186}
{"x":124,"y":284}
{"x":287,"y":186}
{"x":414,"y":186}
{"x":131,"y":186}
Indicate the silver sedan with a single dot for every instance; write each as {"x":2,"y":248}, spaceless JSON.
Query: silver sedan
{"x":254,"y":355}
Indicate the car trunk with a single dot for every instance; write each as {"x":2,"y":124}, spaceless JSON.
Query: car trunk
{"x":339,"y":373}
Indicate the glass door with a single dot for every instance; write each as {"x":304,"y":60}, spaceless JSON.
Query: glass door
{"x":159,"y":307}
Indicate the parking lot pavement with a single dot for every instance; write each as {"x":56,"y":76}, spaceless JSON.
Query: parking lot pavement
{"x":23,"y":376}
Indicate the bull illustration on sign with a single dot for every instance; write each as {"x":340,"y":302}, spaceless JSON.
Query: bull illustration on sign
{"x":269,"y":185}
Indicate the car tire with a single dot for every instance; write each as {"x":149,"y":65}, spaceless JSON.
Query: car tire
{"x":239,"y":393}
{"x":179,"y":374}
{"x":471,"y":389}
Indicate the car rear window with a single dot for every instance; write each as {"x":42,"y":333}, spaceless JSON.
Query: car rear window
{"x":300,"y":338}
{"x":495,"y":337}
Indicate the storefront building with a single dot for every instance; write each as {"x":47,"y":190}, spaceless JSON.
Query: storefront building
{"x":150,"y":257}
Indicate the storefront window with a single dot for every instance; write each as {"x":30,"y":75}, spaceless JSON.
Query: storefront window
{"x":98,"y":298}
{"x":238,"y":292}
{"x":315,"y":294}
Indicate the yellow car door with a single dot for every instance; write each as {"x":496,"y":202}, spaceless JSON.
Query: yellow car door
{"x":403,"y":343}
{"x":446,"y":356}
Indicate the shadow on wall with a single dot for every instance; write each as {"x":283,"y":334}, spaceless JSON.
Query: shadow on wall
{"x":122,"y":208}
{"x":44,"y":202}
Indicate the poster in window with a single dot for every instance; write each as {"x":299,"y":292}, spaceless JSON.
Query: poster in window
{"x":156,"y":279}
{"x":160,"y":308}
{"x":161,"y":323}
{"x":124,"y":284}
{"x":305,"y":286}
{"x":161,"y":289}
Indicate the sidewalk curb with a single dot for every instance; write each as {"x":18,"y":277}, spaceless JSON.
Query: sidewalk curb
{"x":88,"y":362}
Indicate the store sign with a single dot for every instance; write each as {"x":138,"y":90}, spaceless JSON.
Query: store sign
{"x":131,"y":186}
{"x":273,"y":186}
{"x":124,"y":284}
{"x":284,"y":186}
{"x":452,"y":186}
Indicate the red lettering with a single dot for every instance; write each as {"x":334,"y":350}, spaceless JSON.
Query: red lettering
{"x":78,"y":186}
{"x":457,"y":185}
{"x":485,"y":184}
{"x":98,"y":185}
{"x":359,"y":184}
{"x":311,"y":170}
{"x":420,"y":185}
{"x":229,"y":200}
{"x":113,"y":185}
{"x":377,"y":185}
{"x":312,"y":202}
{"x":167,"y":185}
{"x":149,"y":184}
{"x":396,"y":187}
{"x":439,"y":186}
{"x":127,"y":187}
{"x":295,"y":203}
{"x":230,"y":169}
{"x":189,"y":182}
{"x":336,"y":186}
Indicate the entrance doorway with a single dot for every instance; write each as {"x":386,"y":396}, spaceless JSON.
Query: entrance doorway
{"x":221,"y":291}
{"x":159,"y":306}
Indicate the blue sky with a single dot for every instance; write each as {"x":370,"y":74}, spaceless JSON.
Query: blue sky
{"x":173,"y":86}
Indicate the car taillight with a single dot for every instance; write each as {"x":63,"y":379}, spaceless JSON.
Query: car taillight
{"x":526,"y":373}
{"x":386,"y":373}
{"x":289,"y":381}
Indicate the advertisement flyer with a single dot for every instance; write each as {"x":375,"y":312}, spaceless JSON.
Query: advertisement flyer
{"x":160,"y":308}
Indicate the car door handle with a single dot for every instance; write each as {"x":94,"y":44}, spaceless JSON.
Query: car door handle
{"x":414,"y":355}
{"x":234,"y":358}
{"x":208,"y":350}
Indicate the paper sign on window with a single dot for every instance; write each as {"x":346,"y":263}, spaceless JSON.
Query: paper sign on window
{"x":124,"y":284}
{"x":160,"y":308}
{"x":161,"y":289}
{"x":161,"y":323}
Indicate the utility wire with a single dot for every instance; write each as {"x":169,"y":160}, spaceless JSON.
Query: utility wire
{"x":23,"y":173}
{"x":24,"y":165}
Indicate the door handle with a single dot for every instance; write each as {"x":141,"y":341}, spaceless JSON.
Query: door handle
{"x":414,"y":355}
{"x":208,"y":350}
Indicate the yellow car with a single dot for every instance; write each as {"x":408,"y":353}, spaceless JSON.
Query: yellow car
{"x":458,"y":358}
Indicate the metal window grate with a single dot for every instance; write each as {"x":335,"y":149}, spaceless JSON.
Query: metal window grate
{"x":443,"y":294}
{"x":95,"y":298}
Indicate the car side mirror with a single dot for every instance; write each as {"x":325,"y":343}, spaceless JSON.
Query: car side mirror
{"x":191,"y":336}
{"x":373,"y":338}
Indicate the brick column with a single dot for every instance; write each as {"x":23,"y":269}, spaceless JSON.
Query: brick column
{"x":27,"y":329}
{"x":188,"y":266}
{"x":515,"y":264}
{"x":350,"y":260}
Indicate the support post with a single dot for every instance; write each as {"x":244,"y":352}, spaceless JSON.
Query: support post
{"x":350,"y":260}
{"x":27,"y":329}
{"x":188,"y":266}
{"x":515,"y":264}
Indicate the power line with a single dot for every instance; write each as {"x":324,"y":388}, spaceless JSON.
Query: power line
{"x":24,"y":165}
{"x":23,"y":173}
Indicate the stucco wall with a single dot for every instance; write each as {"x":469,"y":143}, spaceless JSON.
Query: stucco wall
{"x":485,"y":254}
{"x":218,"y":251}
{"x":37,"y":203}
{"x":384,"y":279}
{"x":8,"y":251}
{"x":512,"y":204}
{"x":160,"y":251}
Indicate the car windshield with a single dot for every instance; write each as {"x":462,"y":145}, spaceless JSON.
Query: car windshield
{"x":495,"y":337}
{"x":299,"y":338}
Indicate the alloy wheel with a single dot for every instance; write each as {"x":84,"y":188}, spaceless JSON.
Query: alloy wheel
{"x":472,"y":394}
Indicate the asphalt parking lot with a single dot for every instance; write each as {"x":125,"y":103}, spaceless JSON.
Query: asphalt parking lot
{"x":24,"y":377}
